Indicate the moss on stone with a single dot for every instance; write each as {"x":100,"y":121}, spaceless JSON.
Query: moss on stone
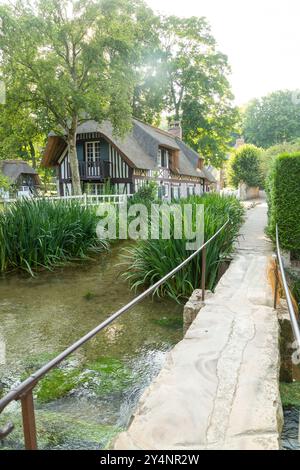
{"x":58,"y":384}
{"x":290,"y":394}
{"x":103,"y":376}
{"x":57,"y":430}
{"x":111,"y":375}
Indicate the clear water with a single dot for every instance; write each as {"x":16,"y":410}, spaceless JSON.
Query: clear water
{"x":41,"y":316}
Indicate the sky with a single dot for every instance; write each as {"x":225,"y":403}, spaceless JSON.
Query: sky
{"x":260,"y":37}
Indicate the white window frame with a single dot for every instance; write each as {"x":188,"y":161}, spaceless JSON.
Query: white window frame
{"x":190,"y":190}
{"x":96,"y":154}
{"x":97,"y":189}
{"x":159,"y":158}
{"x":176,"y":188}
{"x":166,"y":190}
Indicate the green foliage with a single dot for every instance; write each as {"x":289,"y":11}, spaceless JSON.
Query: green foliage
{"x":146,"y":194}
{"x":37,"y":234}
{"x":268,"y":156}
{"x":149,"y":260}
{"x":290,"y":394}
{"x":244,"y":166}
{"x":271,"y":120}
{"x":4,"y":182}
{"x":22,"y":133}
{"x":284,"y":201}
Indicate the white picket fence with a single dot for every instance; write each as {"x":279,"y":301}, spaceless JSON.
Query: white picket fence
{"x":85,"y":200}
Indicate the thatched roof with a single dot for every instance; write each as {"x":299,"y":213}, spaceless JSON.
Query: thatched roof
{"x":139,"y":146}
{"x":12,"y":169}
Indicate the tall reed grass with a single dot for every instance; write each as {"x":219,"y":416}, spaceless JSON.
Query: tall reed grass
{"x":41,"y":234}
{"x":149,"y":260}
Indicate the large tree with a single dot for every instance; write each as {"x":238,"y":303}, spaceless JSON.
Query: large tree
{"x":74,"y":60}
{"x":244,"y":166}
{"x":272,"y":120}
{"x":198,"y":89}
{"x":22,"y":132}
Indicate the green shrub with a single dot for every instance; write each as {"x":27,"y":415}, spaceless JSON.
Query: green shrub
{"x":149,"y":260}
{"x":146,"y":194}
{"x":37,"y":234}
{"x":244,"y":166}
{"x":269,"y":155}
{"x":283,"y":189}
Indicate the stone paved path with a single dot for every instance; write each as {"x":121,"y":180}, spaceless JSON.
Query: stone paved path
{"x":219,"y":387}
{"x":253,"y":238}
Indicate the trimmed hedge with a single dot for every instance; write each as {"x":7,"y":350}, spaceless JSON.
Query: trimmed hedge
{"x":284,"y":201}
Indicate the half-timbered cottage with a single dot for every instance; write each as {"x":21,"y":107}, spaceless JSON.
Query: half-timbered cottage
{"x":146,"y":153}
{"x":24,"y":180}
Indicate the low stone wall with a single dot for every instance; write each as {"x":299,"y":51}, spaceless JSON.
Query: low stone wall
{"x":193,"y":307}
{"x":248,"y":192}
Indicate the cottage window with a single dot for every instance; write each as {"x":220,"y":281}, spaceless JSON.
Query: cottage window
{"x":92,"y":151}
{"x":93,"y":189}
{"x":163,"y":191}
{"x":175,"y":193}
{"x":190,"y":190}
{"x":163,"y":157}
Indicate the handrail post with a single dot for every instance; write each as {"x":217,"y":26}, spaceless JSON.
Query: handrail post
{"x":203,"y":272}
{"x":29,"y":428}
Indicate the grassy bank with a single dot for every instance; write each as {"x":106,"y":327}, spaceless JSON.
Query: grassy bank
{"x":38,"y":234}
{"x":149,"y":260}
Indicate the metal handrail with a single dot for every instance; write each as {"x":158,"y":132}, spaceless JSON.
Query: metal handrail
{"x":294,"y":322}
{"x":23,"y":391}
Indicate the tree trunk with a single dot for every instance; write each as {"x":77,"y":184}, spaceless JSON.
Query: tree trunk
{"x":32,"y":154}
{"x":76,"y":186}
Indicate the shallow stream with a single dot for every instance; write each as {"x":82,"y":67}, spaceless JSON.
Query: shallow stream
{"x":91,"y":397}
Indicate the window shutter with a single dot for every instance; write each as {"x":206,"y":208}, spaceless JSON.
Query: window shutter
{"x":174,"y":161}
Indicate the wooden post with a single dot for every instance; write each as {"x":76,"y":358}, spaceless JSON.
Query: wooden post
{"x":29,"y":428}
{"x":203,"y":272}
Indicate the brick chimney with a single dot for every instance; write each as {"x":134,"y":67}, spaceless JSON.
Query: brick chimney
{"x":175,"y":129}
